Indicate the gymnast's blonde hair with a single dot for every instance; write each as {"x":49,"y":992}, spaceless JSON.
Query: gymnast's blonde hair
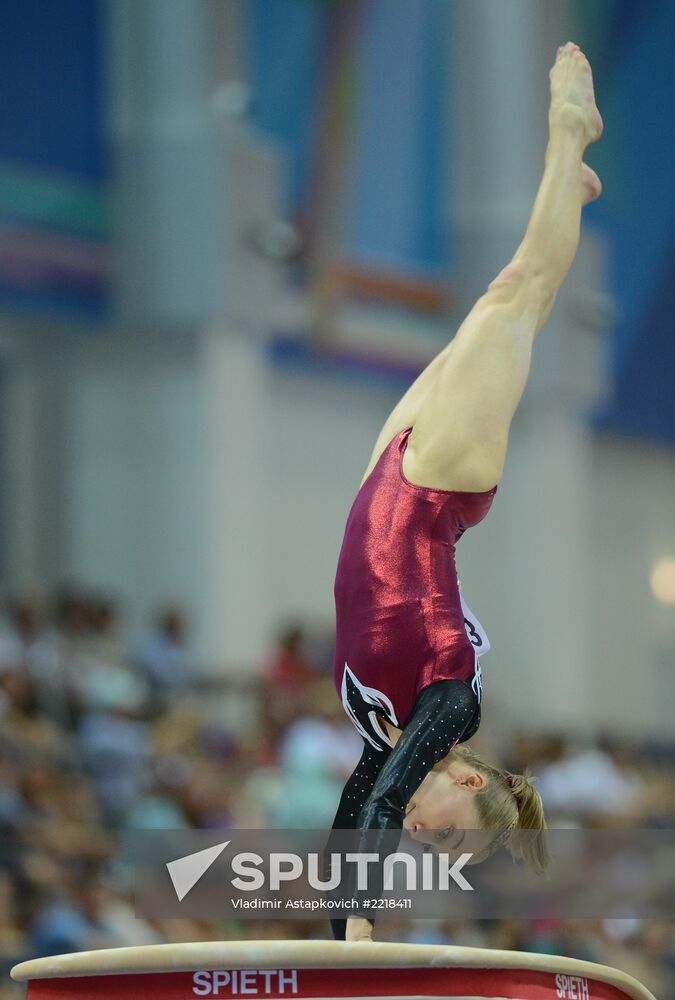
{"x":511,"y":804}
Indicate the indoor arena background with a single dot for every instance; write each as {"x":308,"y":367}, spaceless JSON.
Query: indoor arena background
{"x":231,"y":233}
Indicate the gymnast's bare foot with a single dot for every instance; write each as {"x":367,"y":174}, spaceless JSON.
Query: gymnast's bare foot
{"x":572,"y":95}
{"x":591,"y":182}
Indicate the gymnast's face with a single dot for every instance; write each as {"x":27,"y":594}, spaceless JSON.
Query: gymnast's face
{"x":442,"y":812}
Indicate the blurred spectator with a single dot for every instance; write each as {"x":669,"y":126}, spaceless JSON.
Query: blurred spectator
{"x":103,"y":642}
{"x":286,"y":675}
{"x":24,"y":727}
{"x":163,"y":655}
{"x":589,"y":781}
{"x":317,"y":754}
{"x":59,"y":926}
{"x":289,"y":666}
{"x":12,"y":936}
{"x":11,"y":649}
{"x":115,"y":745}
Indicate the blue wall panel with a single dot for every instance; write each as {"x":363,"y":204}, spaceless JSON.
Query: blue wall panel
{"x":50,"y":81}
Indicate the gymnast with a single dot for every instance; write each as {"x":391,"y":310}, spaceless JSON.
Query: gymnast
{"x":407,"y":646}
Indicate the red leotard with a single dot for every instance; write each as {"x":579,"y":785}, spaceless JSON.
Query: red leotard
{"x":399,"y":617}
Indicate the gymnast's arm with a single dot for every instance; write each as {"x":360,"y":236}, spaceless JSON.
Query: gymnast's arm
{"x":445,"y":712}
{"x":354,"y":796}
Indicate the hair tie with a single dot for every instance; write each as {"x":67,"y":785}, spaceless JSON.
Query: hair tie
{"x":509,"y":779}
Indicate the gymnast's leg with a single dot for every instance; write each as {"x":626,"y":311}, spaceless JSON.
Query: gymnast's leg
{"x":459,"y":437}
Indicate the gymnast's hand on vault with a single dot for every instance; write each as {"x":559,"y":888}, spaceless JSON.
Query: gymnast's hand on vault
{"x":359,"y":929}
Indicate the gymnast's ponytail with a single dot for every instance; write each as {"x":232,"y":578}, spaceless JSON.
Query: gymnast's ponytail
{"x":528,"y":840}
{"x":510,"y":804}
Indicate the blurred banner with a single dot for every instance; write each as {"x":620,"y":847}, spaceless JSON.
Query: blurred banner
{"x":630,"y":48}
{"x":54,"y":213}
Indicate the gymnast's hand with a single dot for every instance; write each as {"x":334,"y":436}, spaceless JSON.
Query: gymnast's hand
{"x":359,"y":929}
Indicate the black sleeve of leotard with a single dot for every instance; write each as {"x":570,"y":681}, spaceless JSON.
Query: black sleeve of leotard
{"x":354,"y":796}
{"x":442,"y":714}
